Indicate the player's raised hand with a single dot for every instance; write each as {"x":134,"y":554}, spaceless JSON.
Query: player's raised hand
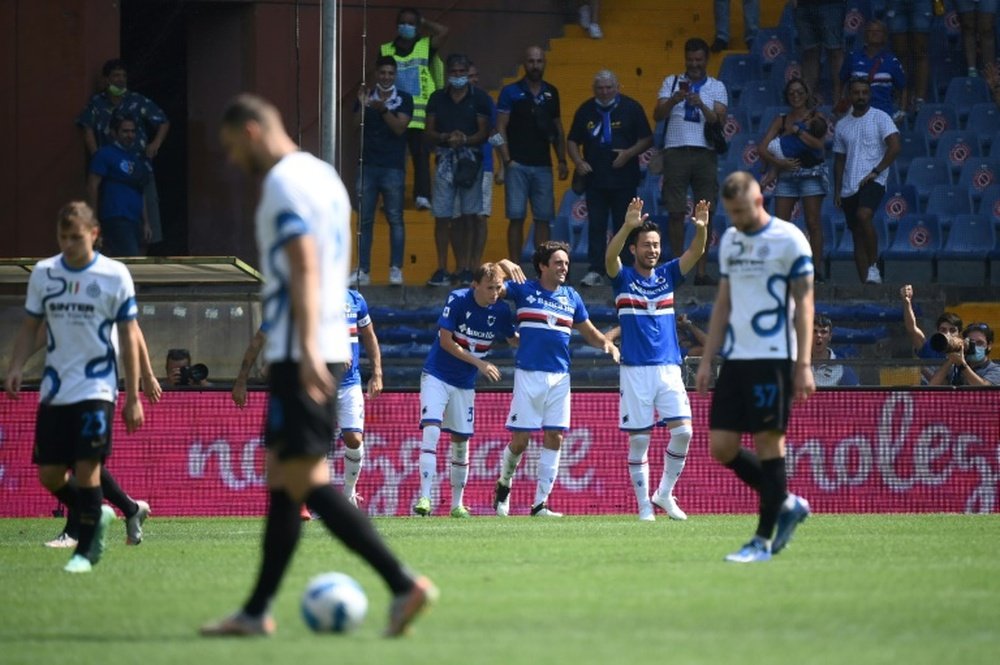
{"x":633,"y":216}
{"x":906,"y":292}
{"x":701,"y":210}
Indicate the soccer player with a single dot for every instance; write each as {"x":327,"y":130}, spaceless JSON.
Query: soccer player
{"x":651,"y":356}
{"x":473,"y":319}
{"x":764,"y":315}
{"x":79,"y":295}
{"x":303,"y":232}
{"x":547,"y":312}
{"x":350,"y":399}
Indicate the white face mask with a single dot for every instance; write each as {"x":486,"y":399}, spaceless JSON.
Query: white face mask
{"x":384,"y":88}
{"x":978,"y":354}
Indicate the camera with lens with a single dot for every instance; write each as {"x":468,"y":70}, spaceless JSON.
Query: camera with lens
{"x":193,"y":374}
{"x":950,"y":343}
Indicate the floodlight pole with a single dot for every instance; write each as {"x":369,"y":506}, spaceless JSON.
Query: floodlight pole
{"x":329,"y":92}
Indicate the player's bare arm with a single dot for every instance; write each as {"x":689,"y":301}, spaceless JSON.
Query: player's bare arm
{"x":596,"y":339}
{"x":803,"y":382}
{"x":448,"y":343}
{"x":370,"y":342}
{"x":634,"y":218}
{"x":304,"y":286}
{"x":128,"y":332}
{"x":700,"y":220}
{"x":249,"y":358}
{"x":23,"y":348}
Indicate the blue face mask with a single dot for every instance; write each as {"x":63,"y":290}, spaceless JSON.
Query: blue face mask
{"x":978,"y":354}
{"x":407,"y":31}
{"x":458,"y":81}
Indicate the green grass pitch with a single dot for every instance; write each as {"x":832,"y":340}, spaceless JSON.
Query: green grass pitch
{"x":893,"y":589}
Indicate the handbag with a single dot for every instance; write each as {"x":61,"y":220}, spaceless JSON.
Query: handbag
{"x":466,"y":172}
{"x":715,"y":137}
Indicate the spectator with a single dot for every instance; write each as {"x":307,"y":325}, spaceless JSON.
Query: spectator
{"x":115,"y":185}
{"x":608,"y":134}
{"x":686,"y":102}
{"x":419,"y":73}
{"x":180,"y":371}
{"x":690,"y":337}
{"x":117,"y":99}
{"x":978,"y":20}
{"x":457,"y":121}
{"x":589,"y":14}
{"x":476,"y":238}
{"x":820,"y":23}
{"x":971,"y":366}
{"x":828,"y":374}
{"x":991,"y":74}
{"x":528,"y":120}
{"x":910,"y":25}
{"x":387,"y":113}
{"x":865,"y":144}
{"x":801,"y":173}
{"x":947,"y":324}
{"x":751,"y":21}
{"x":882,"y":69}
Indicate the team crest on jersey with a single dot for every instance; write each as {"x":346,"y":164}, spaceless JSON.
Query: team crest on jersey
{"x":763,"y":251}
{"x":491,"y":319}
{"x":551,"y":319}
{"x":651,"y":306}
{"x":93,"y":290}
{"x":563,"y":300}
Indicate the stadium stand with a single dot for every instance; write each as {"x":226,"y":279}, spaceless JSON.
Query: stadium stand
{"x":910,"y":257}
{"x":963,"y":259}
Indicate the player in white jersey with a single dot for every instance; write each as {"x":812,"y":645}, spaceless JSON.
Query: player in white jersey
{"x":350,"y":398}
{"x":303,"y":222}
{"x":79,"y":295}
{"x":762,"y":321}
{"x":472,"y":321}
{"x":547,"y":312}
{"x":651,"y":379}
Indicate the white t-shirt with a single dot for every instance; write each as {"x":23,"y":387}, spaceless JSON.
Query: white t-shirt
{"x":681,"y":132}
{"x":862,"y":140}
{"x":759,"y":267}
{"x":80,"y":308}
{"x":302,"y":195}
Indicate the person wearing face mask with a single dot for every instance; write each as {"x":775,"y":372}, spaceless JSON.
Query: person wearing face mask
{"x":420,"y":72}
{"x":608,"y":134}
{"x":117,"y":100}
{"x":973,"y":367}
{"x":686,"y":102}
{"x":948,"y":323}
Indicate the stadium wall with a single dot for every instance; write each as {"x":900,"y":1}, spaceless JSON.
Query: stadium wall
{"x":849,"y":451}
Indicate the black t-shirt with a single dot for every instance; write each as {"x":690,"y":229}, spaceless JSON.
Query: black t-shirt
{"x":383,"y":147}
{"x":462,"y":115}
{"x":628,"y":124}
{"x":531,"y":130}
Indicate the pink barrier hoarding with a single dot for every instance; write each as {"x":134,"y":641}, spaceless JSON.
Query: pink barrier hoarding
{"x":848,"y":452}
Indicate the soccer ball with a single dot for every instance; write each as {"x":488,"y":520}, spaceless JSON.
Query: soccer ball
{"x":334,"y":603}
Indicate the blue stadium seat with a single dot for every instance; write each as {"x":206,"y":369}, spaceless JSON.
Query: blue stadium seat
{"x":737,"y":122}
{"x":984,"y":121}
{"x":989,"y":202}
{"x":897,"y":202}
{"x":571,"y":224}
{"x":911,"y":254}
{"x":767,"y":117}
{"x":856,"y":14}
{"x":933,"y":120}
{"x":964,"y":92}
{"x":757,"y":96}
{"x":955,"y":147}
{"x":784,"y":68}
{"x":912,"y":145}
{"x":977,"y":174}
{"x":925,"y":172}
{"x":946,"y":201}
{"x":770,"y":44}
{"x":963,"y":259}
{"x":743,"y":152}
{"x":736,"y":69}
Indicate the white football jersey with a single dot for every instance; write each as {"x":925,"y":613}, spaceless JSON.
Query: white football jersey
{"x":80,"y":307}
{"x":302,"y":195}
{"x":759,"y":267}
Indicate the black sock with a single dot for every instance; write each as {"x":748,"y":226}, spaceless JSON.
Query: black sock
{"x":281,"y":535}
{"x":773,"y":491}
{"x":69,"y":495}
{"x":355,"y":530}
{"x":89,"y":509}
{"x":115,"y":495}
{"x":747,"y":467}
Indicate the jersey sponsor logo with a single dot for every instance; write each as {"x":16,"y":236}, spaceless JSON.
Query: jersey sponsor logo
{"x":71,"y":307}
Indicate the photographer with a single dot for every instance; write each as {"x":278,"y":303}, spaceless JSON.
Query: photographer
{"x":967,"y":362}
{"x":180,"y":371}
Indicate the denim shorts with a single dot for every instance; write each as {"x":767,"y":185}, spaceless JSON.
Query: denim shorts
{"x":910,"y":16}
{"x":821,"y":25}
{"x":529,"y":183}
{"x":981,"y":6}
{"x":802,"y":183}
{"x":451,"y":201}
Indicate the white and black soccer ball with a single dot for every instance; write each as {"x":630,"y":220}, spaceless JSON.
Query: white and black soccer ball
{"x":334,"y":603}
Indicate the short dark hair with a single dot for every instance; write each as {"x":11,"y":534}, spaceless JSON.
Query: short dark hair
{"x":408,"y":10}
{"x":457,"y":59}
{"x":118,"y":118}
{"x":822,"y":321}
{"x":76,"y":211}
{"x":696,"y":44}
{"x":859,"y":79}
{"x":245,"y":108}
{"x":736,"y":184}
{"x":795,"y":80}
{"x":179,"y":354}
{"x":113,"y":64}
{"x":384,"y":60}
{"x":950,"y":318}
{"x":544,"y":252}
{"x":981,"y":327}
{"x":486,"y":273}
{"x":649,"y":226}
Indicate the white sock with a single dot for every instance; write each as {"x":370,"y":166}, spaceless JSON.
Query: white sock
{"x":674,"y":458}
{"x":459,"y":471}
{"x":638,"y":466}
{"x":428,"y":459}
{"x":548,"y":470}
{"x":508,"y":465}
{"x":353,"y":461}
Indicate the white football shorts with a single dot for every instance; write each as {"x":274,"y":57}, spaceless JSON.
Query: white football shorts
{"x":540,"y":401}
{"x":451,"y":407}
{"x":646,"y":388}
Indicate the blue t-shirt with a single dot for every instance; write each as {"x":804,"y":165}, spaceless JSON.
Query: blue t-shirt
{"x":383,"y":147}
{"x":356,"y":310}
{"x":884,"y":71}
{"x":487,"y":146}
{"x":646,"y":314}
{"x":123,"y":177}
{"x":545,"y":321}
{"x":474,"y":328}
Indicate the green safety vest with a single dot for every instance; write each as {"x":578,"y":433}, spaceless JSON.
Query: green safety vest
{"x":418,"y":74}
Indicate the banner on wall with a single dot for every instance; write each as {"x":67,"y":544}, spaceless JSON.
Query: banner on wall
{"x":848,"y":451}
